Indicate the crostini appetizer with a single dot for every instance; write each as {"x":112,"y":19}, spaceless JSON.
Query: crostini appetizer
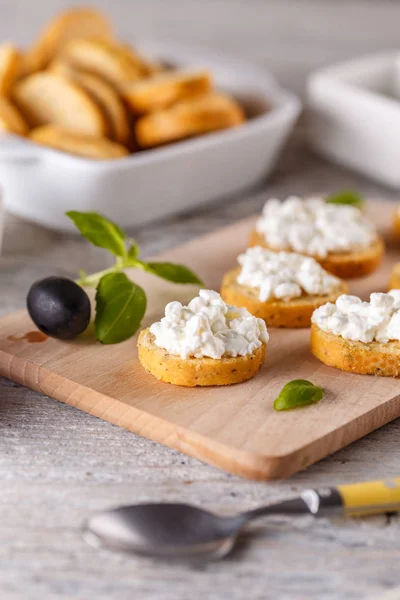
{"x":360,"y":337}
{"x":340,"y":237}
{"x":394,"y":283}
{"x":207,"y":342}
{"x":283,"y":288}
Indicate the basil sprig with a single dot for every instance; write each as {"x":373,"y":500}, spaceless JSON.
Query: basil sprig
{"x":120,"y":303}
{"x":296,"y":393}
{"x":346,"y":197}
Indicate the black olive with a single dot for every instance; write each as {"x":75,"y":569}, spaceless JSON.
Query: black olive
{"x":59,"y":307}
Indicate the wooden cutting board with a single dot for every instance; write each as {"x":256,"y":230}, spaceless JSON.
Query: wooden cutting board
{"x":232,"y":427}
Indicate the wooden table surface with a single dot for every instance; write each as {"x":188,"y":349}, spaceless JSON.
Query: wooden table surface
{"x":50,"y":483}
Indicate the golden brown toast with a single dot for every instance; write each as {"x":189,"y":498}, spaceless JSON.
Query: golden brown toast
{"x":10,"y":67}
{"x":193,"y":372}
{"x":105,"y":96}
{"x":346,"y":265}
{"x":374,"y":358}
{"x":11,"y":121}
{"x":204,"y":114}
{"x":163,"y":90}
{"x":394,"y":283}
{"x":75,"y":23}
{"x":102,"y":58}
{"x":294,"y":313}
{"x":396,"y":224}
{"x":49,"y":98}
{"x":87,"y":146}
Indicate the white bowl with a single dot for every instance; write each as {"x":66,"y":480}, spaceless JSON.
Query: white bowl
{"x":41,"y":184}
{"x":354,"y":115}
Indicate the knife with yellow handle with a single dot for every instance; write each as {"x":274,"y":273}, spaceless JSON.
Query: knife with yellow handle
{"x":355,"y":499}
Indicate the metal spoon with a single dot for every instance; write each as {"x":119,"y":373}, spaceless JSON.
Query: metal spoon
{"x":184,"y":531}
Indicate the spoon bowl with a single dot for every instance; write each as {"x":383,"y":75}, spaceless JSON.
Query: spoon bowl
{"x":164,"y":530}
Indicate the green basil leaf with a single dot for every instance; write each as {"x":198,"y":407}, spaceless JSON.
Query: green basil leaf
{"x":170,"y":272}
{"x":120,"y":308}
{"x":296,"y":393}
{"x":100,"y":231}
{"x":346,"y":197}
{"x":133,"y":251}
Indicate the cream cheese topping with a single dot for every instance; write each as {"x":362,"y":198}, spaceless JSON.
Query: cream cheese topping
{"x":208,"y":326}
{"x":283,"y":275}
{"x":313,"y":226}
{"x":353,"y":319}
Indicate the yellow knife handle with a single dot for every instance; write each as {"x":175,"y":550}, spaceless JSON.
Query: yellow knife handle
{"x":372,"y":497}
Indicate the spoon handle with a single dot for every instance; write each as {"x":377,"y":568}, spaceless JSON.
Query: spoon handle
{"x":357,"y":499}
{"x":372,"y":497}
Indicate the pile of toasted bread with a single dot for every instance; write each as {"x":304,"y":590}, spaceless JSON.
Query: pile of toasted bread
{"x":81,"y":90}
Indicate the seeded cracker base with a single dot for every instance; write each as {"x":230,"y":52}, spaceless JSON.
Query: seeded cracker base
{"x":192,"y":372}
{"x":375,"y":358}
{"x":346,"y":265}
{"x":295,"y":313}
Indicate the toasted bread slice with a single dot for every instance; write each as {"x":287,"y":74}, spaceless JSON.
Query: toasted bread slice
{"x":394,"y":283}
{"x":294,"y":313}
{"x":396,"y":223}
{"x":75,"y":23}
{"x":346,"y":265}
{"x":11,"y":121}
{"x":107,"y":60}
{"x":193,"y":372}
{"x":88,"y":146}
{"x":48,"y":98}
{"x":203,"y":114}
{"x":374,"y":358}
{"x":165,"y":89}
{"x":105,"y":97}
{"x":111,"y":104}
{"x":10,"y":67}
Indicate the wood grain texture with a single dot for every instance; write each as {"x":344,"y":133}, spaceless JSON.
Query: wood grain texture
{"x":236,"y":428}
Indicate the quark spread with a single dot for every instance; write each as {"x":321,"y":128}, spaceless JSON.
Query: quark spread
{"x":208,"y":326}
{"x":314,"y":226}
{"x":283,"y":275}
{"x":353,"y":319}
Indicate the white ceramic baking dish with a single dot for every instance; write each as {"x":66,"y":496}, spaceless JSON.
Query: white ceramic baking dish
{"x":40,"y":184}
{"x":354,"y":115}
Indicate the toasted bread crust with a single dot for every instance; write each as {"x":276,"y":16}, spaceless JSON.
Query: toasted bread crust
{"x":82,"y":145}
{"x":396,"y":224}
{"x":10,"y":66}
{"x":110,"y":103}
{"x":105,"y":96}
{"x":295,"y":313}
{"x":107,"y":60}
{"x":11,"y":121}
{"x":75,"y":23}
{"x":49,"y":98}
{"x":203,"y":114}
{"x":163,"y":90}
{"x":193,"y":372}
{"x":346,"y":265}
{"x":375,"y":358}
{"x":394,"y":283}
